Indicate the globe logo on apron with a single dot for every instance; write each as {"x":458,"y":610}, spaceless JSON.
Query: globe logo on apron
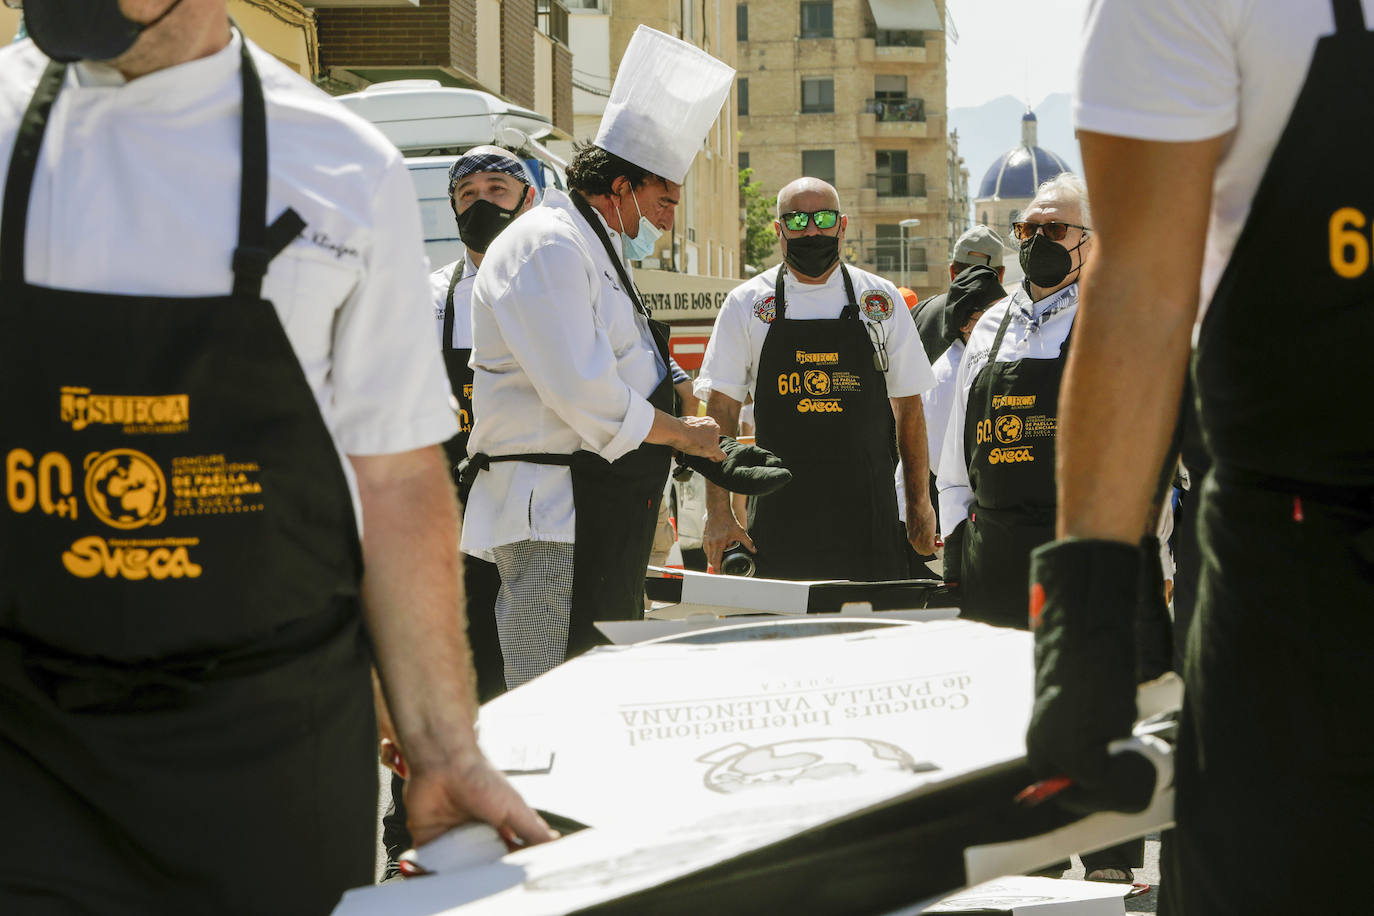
{"x":125,"y":489}
{"x":816,"y":382}
{"x":1009,"y":428}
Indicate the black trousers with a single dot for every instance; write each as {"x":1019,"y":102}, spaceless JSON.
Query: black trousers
{"x":481,"y":582}
{"x":234,"y":794}
{"x":1275,"y":779}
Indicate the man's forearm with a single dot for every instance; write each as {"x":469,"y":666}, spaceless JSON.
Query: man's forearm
{"x":1133,"y":331}
{"x":1119,"y":405}
{"x":413,"y":601}
{"x":911,"y":444}
{"x":725,"y":411}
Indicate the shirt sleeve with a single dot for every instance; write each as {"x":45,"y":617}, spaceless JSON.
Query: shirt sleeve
{"x":951,"y":480}
{"x":1159,"y":70}
{"x":544,"y":311}
{"x":728,"y":366}
{"x":386,"y":323}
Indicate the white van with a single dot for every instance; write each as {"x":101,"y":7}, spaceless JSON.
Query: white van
{"x":433,"y":124}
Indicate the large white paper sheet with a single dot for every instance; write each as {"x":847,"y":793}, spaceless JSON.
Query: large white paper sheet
{"x":683,"y":729}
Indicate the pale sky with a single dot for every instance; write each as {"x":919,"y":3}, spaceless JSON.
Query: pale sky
{"x":1023,"y":48}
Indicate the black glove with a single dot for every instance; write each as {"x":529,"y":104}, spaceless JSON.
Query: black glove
{"x":1083,"y":601}
{"x":954,"y":553}
{"x":746,"y":469}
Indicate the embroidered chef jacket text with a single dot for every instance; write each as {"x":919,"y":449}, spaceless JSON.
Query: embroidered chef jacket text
{"x":1037,"y":331}
{"x":350,"y":290}
{"x":732,"y":356}
{"x":563,"y":361}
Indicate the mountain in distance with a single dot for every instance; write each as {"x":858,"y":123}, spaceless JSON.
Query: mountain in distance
{"x":988,"y":130}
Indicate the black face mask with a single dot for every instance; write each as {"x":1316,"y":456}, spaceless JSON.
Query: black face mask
{"x":483,"y":221}
{"x":1046,"y":263}
{"x":72,"y":30}
{"x":813,"y":255}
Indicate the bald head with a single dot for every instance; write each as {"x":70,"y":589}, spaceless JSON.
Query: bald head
{"x":808,"y":194}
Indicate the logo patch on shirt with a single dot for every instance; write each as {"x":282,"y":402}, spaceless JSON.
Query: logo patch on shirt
{"x":766,"y":309}
{"x":877,"y":305}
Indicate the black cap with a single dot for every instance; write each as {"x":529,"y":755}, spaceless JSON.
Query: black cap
{"x":975,"y":289}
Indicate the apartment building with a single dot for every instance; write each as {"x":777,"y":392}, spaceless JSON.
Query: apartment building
{"x":853,"y":92}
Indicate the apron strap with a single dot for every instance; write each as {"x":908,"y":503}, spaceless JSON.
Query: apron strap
{"x":992,"y":356}
{"x":780,"y":302}
{"x":1349,"y":16}
{"x":458,"y":271}
{"x":19,"y":183}
{"x":590,"y":215}
{"x":474,"y":464}
{"x":258,"y":242}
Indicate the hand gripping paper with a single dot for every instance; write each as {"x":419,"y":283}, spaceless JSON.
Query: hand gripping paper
{"x":666,"y":96}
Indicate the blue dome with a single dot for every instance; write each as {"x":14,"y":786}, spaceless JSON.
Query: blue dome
{"x":1018,"y":172}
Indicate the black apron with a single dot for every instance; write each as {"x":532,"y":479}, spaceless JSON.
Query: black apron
{"x":460,"y":374}
{"x":615,"y":503}
{"x":1279,"y":659}
{"x":820,"y":404}
{"x":1010,"y":430}
{"x":181,"y":656}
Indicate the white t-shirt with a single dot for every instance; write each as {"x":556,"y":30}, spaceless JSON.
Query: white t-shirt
{"x":462,"y":302}
{"x":732,"y":356}
{"x":137,"y":191}
{"x":936,"y":405}
{"x":1188,"y":70}
{"x":562,"y":361}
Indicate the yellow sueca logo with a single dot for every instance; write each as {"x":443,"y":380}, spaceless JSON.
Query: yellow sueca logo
{"x":817,"y":405}
{"x":81,"y":408}
{"x":1010,"y":455}
{"x":125,"y":488}
{"x":168,"y":559}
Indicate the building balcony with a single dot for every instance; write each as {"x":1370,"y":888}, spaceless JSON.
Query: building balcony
{"x":872,"y":51}
{"x":894,"y":119}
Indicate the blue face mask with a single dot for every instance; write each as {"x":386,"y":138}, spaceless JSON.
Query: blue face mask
{"x":641,"y":244}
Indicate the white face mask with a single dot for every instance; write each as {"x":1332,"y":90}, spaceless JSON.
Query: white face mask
{"x":641,"y":244}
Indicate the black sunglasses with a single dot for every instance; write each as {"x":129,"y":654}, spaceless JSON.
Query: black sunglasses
{"x":1053,"y":231}
{"x":797,"y":219}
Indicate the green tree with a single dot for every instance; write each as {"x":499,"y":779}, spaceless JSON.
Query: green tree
{"x":759,"y":238}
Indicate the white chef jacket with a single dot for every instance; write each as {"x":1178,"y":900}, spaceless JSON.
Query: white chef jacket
{"x":1037,"y":331}
{"x":936,"y":404}
{"x":562,"y":361}
{"x":732,"y":356}
{"x":137,"y":191}
{"x":462,"y":302}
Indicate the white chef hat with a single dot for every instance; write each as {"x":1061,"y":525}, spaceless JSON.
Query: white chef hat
{"x":666,"y":95}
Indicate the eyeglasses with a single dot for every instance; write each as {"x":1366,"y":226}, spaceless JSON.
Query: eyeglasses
{"x":797,"y":219}
{"x":1053,"y":231}
{"x":879,"y":339}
